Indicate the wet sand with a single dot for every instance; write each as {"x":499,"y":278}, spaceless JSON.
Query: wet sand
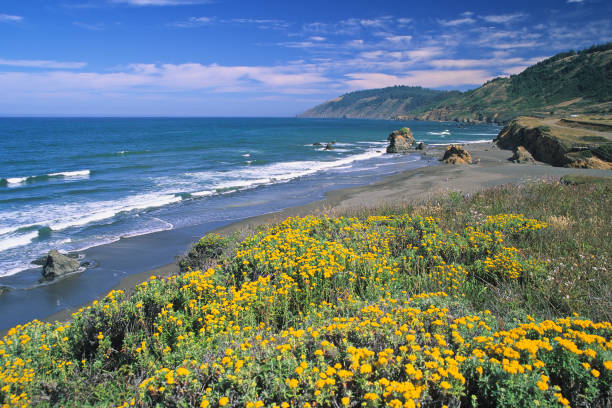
{"x":402,"y":189}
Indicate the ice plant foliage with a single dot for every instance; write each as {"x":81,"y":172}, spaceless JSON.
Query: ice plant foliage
{"x":320,"y":312}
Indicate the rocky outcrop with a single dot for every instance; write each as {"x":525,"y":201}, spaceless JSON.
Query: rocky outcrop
{"x":400,"y":141}
{"x":456,"y":154}
{"x":552,"y":145}
{"x":420,"y":146}
{"x":521,"y":155}
{"x":57,"y":264}
{"x":329,"y":146}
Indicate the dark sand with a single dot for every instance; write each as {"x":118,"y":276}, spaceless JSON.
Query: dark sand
{"x":410,"y":187}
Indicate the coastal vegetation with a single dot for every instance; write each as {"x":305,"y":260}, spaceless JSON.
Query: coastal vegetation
{"x":581,"y":141}
{"x":567,"y":83}
{"x":496,"y":299}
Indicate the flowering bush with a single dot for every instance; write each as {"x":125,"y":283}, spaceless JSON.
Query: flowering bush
{"x":320,"y":312}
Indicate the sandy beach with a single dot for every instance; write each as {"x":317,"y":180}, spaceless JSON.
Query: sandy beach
{"x":402,"y":189}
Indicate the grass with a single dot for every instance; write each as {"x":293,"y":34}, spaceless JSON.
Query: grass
{"x":496,"y":299}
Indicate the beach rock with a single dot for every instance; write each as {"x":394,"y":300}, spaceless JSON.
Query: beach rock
{"x":317,"y":144}
{"x":521,"y":155}
{"x":43,"y":259}
{"x":400,"y":141}
{"x":329,"y":147}
{"x":456,"y":154}
{"x":57,"y":264}
{"x":420,"y":146}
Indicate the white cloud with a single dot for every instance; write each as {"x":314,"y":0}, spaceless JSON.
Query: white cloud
{"x":486,"y":62}
{"x":426,"y":78}
{"x":504,"y":46}
{"x":10,"y":18}
{"x":459,"y":21}
{"x":399,"y":40}
{"x":167,"y":78}
{"x":516,"y":70}
{"x":159,"y":2}
{"x":260,"y":22}
{"x":87,"y":26}
{"x":317,"y":38}
{"x":193,"y":22}
{"x":42,"y":64}
{"x":504,"y":18}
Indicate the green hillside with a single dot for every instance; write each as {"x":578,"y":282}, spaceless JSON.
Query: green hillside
{"x":379,"y":103}
{"x":569,"y":82}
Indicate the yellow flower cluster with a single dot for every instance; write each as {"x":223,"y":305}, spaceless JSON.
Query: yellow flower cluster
{"x":315,"y":312}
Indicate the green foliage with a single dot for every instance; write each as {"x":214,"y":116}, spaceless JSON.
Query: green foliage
{"x":385,"y":102}
{"x":446,"y":304}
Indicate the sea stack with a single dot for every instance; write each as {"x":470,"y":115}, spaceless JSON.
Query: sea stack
{"x":456,"y":154}
{"x":57,"y":264}
{"x":400,"y":141}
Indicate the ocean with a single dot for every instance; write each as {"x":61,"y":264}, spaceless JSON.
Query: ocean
{"x":75,"y":183}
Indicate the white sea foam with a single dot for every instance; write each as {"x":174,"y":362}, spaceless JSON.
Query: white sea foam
{"x":108,"y":209}
{"x":252,"y":176}
{"x":17,"y":240}
{"x":375,"y":143}
{"x":78,"y":173}
{"x":443,"y":133}
{"x":246,"y":155}
{"x":62,"y":216}
{"x":16,"y":180}
{"x":204,"y":193}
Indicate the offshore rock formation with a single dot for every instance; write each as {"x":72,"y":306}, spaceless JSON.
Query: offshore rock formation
{"x":57,"y":264}
{"x":456,"y":154}
{"x":521,"y":155}
{"x":400,"y":141}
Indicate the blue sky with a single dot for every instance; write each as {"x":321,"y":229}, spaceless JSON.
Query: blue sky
{"x":267,"y":58}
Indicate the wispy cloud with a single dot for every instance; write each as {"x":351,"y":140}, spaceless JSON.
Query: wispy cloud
{"x":427,"y":78}
{"x":42,"y":64}
{"x":459,"y":21}
{"x":7,"y":18}
{"x":193,"y":22}
{"x":465,"y":18}
{"x":504,"y":18}
{"x":88,"y":26}
{"x":169,"y":78}
{"x":262,"y":23}
{"x":143,"y":3}
{"x":399,"y":40}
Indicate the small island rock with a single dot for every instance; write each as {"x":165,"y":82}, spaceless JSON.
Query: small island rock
{"x":456,"y":154}
{"x":400,"y":141}
{"x":58,"y":264}
{"x":522,"y":155}
{"x":317,"y":144}
{"x":329,"y":147}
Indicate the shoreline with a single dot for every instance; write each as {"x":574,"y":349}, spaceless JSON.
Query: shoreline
{"x":410,"y":187}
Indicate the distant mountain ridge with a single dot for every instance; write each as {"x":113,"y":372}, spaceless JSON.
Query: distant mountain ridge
{"x":569,"y":82}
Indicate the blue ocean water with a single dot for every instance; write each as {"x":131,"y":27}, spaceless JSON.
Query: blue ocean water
{"x":74,"y":183}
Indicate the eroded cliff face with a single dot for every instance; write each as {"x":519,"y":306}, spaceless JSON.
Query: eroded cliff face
{"x":550,"y":145}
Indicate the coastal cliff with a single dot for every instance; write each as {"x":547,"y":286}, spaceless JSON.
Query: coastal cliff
{"x":553,"y":142}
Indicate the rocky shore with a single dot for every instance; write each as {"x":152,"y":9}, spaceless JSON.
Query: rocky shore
{"x":561,"y":142}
